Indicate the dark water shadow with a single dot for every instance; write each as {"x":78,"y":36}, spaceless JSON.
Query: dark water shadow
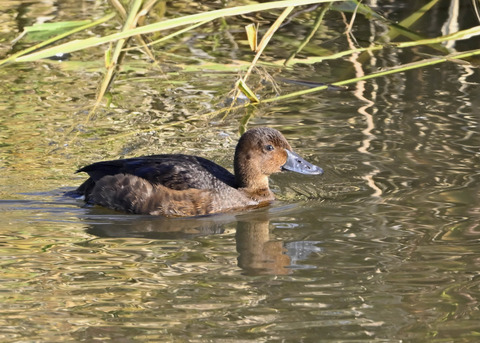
{"x":258,"y":253}
{"x":124,"y":226}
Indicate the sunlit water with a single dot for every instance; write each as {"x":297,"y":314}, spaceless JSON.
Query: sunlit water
{"x":384,"y":247}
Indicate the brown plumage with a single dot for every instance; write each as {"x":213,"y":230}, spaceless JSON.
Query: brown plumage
{"x":184,"y":185}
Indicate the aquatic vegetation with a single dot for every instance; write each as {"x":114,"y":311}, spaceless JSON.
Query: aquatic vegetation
{"x":134,"y":35}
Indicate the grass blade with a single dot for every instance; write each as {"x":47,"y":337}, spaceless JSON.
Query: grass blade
{"x":13,"y":57}
{"x":164,"y":25}
{"x":316,"y":26}
{"x":394,"y":70}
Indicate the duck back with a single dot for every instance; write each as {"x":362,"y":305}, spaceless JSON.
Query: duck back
{"x":175,"y":171}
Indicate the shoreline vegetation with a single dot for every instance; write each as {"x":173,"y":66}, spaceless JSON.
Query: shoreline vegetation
{"x":136,"y":34}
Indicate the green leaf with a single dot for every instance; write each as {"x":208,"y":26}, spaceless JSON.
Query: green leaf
{"x":44,"y":31}
{"x":247,"y":91}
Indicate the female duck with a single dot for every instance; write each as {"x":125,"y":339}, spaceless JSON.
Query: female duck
{"x":184,"y":185}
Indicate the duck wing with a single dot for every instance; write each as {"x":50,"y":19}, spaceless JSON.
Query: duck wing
{"x":176,"y":171}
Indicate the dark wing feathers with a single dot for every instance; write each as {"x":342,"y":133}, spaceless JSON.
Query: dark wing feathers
{"x":176,"y":171}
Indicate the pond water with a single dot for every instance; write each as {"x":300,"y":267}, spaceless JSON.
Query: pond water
{"x":382,"y":248}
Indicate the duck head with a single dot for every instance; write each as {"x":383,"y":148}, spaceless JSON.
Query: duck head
{"x":263,"y":151}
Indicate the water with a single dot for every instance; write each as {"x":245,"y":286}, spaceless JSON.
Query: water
{"x":382,"y":248}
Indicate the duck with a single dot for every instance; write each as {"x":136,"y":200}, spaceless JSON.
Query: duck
{"x":178,"y":185}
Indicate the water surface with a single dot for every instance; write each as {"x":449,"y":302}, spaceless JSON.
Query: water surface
{"x":382,"y":248}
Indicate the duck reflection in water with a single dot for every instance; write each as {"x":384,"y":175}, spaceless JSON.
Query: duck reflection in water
{"x":258,"y":253}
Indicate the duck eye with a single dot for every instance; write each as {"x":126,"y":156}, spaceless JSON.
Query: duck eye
{"x":269,"y":147}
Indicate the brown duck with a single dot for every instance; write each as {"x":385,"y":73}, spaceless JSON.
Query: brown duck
{"x":184,"y":185}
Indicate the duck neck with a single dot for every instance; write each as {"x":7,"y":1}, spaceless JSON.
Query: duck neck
{"x":249,"y":176}
{"x":251,"y":182}
{"x":254,"y":185}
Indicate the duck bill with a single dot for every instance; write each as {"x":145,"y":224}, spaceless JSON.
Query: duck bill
{"x":297,"y":164}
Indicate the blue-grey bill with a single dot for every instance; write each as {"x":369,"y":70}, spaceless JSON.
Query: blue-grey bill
{"x":297,"y":164}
